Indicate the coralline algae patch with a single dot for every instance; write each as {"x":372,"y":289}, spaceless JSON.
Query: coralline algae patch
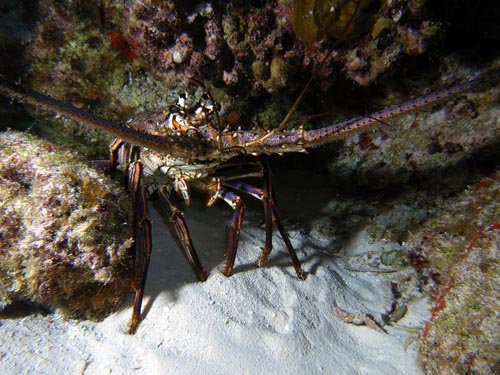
{"x":65,"y":229}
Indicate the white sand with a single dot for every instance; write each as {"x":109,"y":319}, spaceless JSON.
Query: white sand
{"x":260,"y":321}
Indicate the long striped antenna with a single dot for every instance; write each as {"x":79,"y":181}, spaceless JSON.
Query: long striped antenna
{"x":181,"y":144}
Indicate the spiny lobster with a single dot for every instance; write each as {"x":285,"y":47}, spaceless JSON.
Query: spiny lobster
{"x":180,"y":149}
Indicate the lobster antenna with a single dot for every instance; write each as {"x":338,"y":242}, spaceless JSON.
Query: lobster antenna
{"x":379,"y":120}
{"x":325,"y":114}
{"x":284,"y":123}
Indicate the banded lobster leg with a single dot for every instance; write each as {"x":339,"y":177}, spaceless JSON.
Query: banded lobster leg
{"x":122,"y":152}
{"x":182,"y":232}
{"x":235,"y":202}
{"x":271,"y":214}
{"x":142,"y":241}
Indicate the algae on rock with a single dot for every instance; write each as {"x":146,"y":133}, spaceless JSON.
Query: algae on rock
{"x":65,"y":229}
{"x":458,"y":253}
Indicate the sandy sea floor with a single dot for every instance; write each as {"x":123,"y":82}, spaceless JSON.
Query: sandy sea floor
{"x":260,"y":321}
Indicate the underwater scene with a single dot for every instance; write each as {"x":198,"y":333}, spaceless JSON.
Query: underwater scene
{"x":244,"y":187}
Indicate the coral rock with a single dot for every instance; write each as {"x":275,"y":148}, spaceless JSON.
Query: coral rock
{"x":64,"y":229}
{"x":459,"y":254}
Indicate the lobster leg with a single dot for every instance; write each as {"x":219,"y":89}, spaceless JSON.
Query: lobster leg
{"x":181,"y":229}
{"x":142,"y":242}
{"x":271,"y":214}
{"x":262,"y":195}
{"x":267,"y":199}
{"x":271,"y":203}
{"x":234,"y":231}
{"x":293,"y":255}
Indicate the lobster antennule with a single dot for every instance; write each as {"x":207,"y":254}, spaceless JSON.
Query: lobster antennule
{"x":181,"y":144}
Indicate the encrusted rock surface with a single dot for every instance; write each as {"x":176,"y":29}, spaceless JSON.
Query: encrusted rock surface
{"x":65,"y":229}
{"x":458,"y":255}
{"x":121,"y":57}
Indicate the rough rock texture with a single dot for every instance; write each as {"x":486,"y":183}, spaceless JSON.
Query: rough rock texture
{"x":442,"y":145}
{"x":458,"y":255}
{"x":121,"y":57}
{"x":64,"y":229}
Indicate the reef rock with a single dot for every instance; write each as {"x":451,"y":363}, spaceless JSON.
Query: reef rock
{"x":65,"y":228}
